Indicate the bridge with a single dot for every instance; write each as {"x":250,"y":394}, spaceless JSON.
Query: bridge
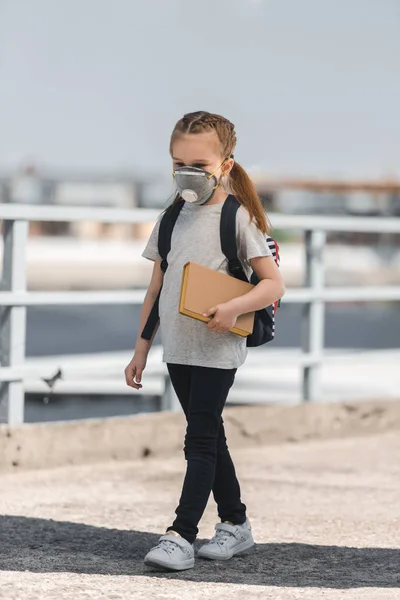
{"x":83,"y":501}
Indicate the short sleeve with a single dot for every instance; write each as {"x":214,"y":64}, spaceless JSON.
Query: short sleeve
{"x":151,"y":249}
{"x":251,"y":241}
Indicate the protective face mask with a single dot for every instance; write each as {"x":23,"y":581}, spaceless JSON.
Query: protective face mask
{"x":195,"y":185}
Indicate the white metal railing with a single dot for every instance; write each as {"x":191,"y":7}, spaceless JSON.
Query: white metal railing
{"x":14,"y":297}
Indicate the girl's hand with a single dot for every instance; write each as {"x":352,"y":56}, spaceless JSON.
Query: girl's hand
{"x":224,"y":317}
{"x":133,"y":372}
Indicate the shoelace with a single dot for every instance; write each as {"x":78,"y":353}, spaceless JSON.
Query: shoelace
{"x":221,"y":536}
{"x":167,"y":546}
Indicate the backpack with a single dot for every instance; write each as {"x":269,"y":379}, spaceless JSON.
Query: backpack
{"x":264,"y":321}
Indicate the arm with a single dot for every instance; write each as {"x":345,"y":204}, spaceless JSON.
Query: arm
{"x":269,"y":289}
{"x":133,"y":372}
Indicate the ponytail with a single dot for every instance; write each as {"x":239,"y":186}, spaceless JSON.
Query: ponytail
{"x":243,"y":188}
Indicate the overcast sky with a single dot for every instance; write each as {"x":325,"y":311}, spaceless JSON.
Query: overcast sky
{"x":313,"y":86}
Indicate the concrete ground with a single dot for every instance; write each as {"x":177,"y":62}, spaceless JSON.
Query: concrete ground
{"x":325,"y":515}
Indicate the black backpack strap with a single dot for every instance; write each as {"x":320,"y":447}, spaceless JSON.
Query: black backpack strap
{"x":228,"y":237}
{"x":263,"y":331}
{"x":152,"y":320}
{"x":166,"y":228}
{"x":167,"y":225}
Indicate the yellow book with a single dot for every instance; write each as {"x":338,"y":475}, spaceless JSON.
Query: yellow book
{"x":202,"y":288}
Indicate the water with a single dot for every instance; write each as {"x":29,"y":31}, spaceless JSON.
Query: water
{"x":83,"y":329}
{"x":66,"y":408}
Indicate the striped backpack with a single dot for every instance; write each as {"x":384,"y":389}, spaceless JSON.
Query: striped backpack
{"x":264,"y":321}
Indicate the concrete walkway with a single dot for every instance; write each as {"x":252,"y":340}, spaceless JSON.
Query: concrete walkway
{"x":325,"y":514}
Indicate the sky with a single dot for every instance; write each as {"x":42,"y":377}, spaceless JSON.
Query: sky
{"x":313,"y":86}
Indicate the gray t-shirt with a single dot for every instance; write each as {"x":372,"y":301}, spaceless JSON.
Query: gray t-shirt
{"x":196,"y":238}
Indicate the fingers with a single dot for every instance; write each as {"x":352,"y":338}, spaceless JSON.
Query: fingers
{"x":138,"y":378}
{"x":133,"y":372}
{"x":211,"y":312}
{"x":213,"y":323}
{"x":215,"y":326}
{"x":129,"y":375}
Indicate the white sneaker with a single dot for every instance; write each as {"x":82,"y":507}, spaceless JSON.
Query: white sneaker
{"x":172,"y":552}
{"x":228,"y":541}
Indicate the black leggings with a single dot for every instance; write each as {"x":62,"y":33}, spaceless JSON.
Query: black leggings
{"x":202,"y":392}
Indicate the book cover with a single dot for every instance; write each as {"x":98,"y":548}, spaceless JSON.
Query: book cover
{"x":202,"y":288}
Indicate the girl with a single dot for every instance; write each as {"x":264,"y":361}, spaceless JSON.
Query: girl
{"x":202,"y":359}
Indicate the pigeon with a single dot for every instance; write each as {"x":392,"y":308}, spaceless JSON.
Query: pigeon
{"x":51,"y":381}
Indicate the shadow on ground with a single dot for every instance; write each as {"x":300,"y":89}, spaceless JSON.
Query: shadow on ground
{"x":43,"y":546}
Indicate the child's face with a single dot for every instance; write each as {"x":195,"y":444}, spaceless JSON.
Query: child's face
{"x":201,"y":150}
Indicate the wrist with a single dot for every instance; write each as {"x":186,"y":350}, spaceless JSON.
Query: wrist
{"x":234,"y":306}
{"x":141,"y":350}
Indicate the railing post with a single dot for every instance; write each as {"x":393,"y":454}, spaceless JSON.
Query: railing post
{"x":313,"y":323}
{"x":13,"y":320}
{"x":169,"y":400}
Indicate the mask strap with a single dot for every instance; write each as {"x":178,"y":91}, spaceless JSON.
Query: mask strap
{"x":221,"y":165}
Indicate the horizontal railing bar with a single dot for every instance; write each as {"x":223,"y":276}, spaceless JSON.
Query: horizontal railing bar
{"x":82,"y":374}
{"x":388,"y":293}
{"x":82,"y":368}
{"x":71,"y":298}
{"x":22,"y":212}
{"x":292,"y":296}
{"x":336,"y":224}
{"x":154,"y":387}
{"x":143,"y":215}
{"x":48,"y":367}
